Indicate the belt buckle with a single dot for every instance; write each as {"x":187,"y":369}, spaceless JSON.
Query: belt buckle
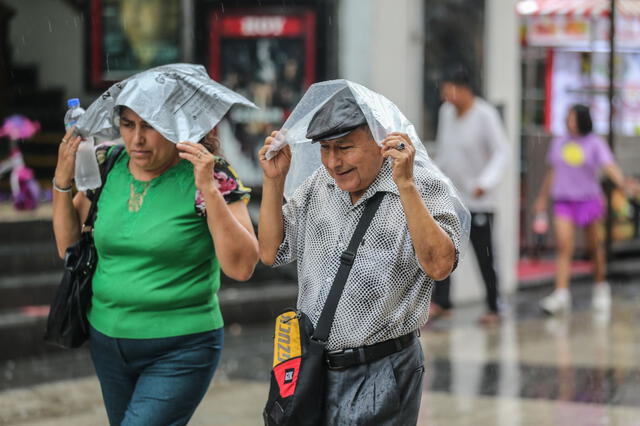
{"x":335,"y":352}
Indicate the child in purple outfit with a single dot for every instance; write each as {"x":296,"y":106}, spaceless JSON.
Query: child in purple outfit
{"x":573,"y":179}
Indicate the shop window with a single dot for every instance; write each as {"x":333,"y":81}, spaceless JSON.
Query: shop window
{"x":454,"y":36}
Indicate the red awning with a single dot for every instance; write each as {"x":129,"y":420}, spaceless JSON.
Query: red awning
{"x":627,"y":8}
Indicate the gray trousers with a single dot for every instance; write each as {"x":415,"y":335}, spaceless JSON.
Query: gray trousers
{"x":384,"y":392}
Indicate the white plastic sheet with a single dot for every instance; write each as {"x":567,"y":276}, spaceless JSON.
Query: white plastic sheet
{"x":180,"y":101}
{"x":383,"y":117}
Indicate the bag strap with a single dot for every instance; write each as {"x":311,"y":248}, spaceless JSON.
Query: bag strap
{"x":347,"y":258}
{"x":104,"y":172}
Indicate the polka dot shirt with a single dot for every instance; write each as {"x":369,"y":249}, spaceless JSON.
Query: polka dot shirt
{"x":387,"y":293}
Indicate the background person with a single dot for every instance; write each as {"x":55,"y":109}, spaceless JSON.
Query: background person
{"x":573,"y":182}
{"x":473,"y":152}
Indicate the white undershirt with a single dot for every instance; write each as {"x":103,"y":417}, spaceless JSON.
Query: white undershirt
{"x":473,"y":152}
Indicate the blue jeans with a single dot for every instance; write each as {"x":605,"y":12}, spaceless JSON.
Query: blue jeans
{"x":155,"y":381}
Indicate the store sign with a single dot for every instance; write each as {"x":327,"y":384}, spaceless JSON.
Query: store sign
{"x":261,"y":26}
{"x":581,"y":31}
{"x":558,"y":30}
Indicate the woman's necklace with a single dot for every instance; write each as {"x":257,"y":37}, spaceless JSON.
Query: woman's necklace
{"x":137,"y":198}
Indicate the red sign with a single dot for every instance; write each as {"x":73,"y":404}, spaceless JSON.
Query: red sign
{"x":262,"y":26}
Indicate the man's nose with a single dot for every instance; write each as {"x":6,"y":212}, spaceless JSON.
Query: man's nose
{"x":334,"y":159}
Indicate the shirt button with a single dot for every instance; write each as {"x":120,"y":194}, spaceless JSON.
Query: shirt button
{"x":328,"y":280}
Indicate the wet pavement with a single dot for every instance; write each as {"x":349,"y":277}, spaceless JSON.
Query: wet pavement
{"x":530,"y":370}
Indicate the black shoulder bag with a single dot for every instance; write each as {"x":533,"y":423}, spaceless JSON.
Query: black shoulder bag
{"x":296,"y":392}
{"x":67,"y":325}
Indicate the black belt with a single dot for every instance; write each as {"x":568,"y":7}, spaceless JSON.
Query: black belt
{"x":345,"y":358}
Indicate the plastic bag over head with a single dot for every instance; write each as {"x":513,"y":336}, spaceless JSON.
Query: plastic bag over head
{"x":382,"y":116}
{"x":180,"y":101}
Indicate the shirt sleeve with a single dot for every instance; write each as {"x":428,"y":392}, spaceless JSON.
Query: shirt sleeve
{"x":228,"y":183}
{"x":293,"y":215}
{"x":496,"y":140}
{"x":604,"y":156}
{"x":438,"y":199}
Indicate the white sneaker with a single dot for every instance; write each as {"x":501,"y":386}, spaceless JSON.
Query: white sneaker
{"x":601,"y":299}
{"x":557,"y":302}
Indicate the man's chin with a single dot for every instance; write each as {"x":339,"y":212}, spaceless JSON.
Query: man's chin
{"x":349,"y":187}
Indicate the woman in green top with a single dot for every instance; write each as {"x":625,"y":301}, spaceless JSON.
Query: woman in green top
{"x":170,"y":216}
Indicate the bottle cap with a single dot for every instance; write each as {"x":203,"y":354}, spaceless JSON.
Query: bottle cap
{"x":73,"y":102}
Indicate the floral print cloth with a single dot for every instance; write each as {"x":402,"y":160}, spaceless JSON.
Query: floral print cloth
{"x":228,"y":184}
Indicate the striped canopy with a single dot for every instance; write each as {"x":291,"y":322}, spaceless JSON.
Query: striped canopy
{"x":628,"y":8}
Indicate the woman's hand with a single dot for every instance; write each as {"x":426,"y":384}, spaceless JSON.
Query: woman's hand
{"x":278,"y":166}
{"x":203,"y":162}
{"x":540,"y":205}
{"x":66,"y":165}
{"x":399,"y":147}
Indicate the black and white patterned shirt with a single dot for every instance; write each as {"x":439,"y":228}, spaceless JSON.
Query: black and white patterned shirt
{"x":387,"y":293}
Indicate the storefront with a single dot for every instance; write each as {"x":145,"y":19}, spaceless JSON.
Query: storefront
{"x":269,"y":52}
{"x":565,"y":60}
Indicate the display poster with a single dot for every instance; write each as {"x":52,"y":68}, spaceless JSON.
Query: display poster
{"x":268,"y":58}
{"x":129,"y":36}
{"x":583,"y":77}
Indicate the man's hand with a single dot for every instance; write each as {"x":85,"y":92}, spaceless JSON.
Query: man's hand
{"x":278,"y":166}
{"x":399,"y":147}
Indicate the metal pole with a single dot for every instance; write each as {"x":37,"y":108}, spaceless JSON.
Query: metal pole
{"x":188,"y":27}
{"x":611,"y":138}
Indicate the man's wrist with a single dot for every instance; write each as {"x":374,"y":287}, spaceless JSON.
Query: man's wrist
{"x":407,"y":187}
{"x":277,"y":182}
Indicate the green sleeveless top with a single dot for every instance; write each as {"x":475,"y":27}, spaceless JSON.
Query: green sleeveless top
{"x":157,"y":273}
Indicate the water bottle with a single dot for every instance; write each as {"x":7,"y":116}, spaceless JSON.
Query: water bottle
{"x":87,"y":174}
{"x":74,"y":113}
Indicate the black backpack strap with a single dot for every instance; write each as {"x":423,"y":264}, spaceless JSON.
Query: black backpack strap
{"x":104,"y":173}
{"x":346,"y":262}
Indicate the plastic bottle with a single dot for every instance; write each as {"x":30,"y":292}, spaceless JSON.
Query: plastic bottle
{"x":74,"y":112}
{"x":87,"y":173}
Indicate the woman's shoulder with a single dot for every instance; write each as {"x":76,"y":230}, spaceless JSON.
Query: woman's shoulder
{"x":560,"y":140}
{"x":105,"y":152}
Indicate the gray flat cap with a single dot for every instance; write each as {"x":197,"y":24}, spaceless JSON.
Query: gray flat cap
{"x":338,"y":117}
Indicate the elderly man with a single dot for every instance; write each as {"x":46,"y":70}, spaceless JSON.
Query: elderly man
{"x":412,"y":240}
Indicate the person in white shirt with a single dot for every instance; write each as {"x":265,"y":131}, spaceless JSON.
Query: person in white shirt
{"x":472,"y":152}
